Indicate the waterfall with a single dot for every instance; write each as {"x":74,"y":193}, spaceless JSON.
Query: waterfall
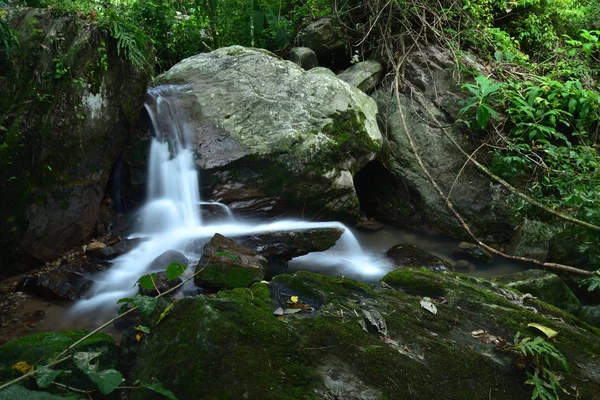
{"x":171,"y":215}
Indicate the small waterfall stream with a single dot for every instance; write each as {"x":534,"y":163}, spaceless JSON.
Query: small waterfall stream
{"x":171,"y":217}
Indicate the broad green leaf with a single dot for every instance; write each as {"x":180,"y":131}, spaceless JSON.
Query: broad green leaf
{"x":158,"y":388}
{"x":550,"y":333}
{"x":125,"y":300}
{"x":147,"y":281}
{"x":482,"y":116}
{"x":572,"y":105}
{"x":165,"y":312}
{"x":44,"y":376}
{"x":107,"y":380}
{"x":174,"y":270}
{"x":146,"y":304}
{"x":142,"y":328}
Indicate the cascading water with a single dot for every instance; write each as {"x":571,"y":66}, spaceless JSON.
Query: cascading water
{"x":171,"y":216}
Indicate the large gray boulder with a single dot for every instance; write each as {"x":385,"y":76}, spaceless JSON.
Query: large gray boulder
{"x":67,"y":102}
{"x":271,"y":136}
{"x":483,"y":204}
{"x":365,"y":75}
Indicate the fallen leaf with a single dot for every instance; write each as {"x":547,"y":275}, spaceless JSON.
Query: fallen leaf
{"x":428,"y":305}
{"x":550,"y":333}
{"x":478,"y":333}
{"x":165,"y":312}
{"x":388,"y":340}
{"x":290,"y":311}
{"x":278,"y":312}
{"x":139,"y":336}
{"x":294,"y":299}
{"x":23,"y":367}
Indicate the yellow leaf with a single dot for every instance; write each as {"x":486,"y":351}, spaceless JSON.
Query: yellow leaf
{"x":550,"y":333}
{"x":23,"y":367}
{"x":294,"y":299}
{"x":139,"y":336}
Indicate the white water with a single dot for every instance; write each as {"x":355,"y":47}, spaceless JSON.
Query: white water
{"x":171,"y":217}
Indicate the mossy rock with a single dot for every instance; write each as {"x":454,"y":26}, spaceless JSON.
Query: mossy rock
{"x":42,"y":347}
{"x":232,"y":346}
{"x":544,"y":285}
{"x":226,"y":264}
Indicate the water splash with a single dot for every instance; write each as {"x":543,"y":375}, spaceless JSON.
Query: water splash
{"x":171,"y":217}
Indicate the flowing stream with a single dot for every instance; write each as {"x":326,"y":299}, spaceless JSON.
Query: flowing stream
{"x":171,"y":217}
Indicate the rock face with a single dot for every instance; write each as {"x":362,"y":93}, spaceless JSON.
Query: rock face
{"x":325,"y":38}
{"x":246,"y":342}
{"x":483,"y":204}
{"x":364,"y":75}
{"x":161,"y":262}
{"x":226,"y":264}
{"x":272,"y":136}
{"x":67,"y":101}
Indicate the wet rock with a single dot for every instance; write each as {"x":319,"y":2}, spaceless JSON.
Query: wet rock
{"x":365,"y":75}
{"x":431,"y":356}
{"x":119,"y":248}
{"x":162,"y":283}
{"x":70,"y":135}
{"x":532,"y":240}
{"x":281,"y":246}
{"x":472,"y":252}
{"x":544,"y":285}
{"x":161,"y":262}
{"x":304,"y":57}
{"x":408,"y":255}
{"x":464,"y":265}
{"x":42,"y":347}
{"x":68,"y":281}
{"x":226,"y":264}
{"x":325,"y":38}
{"x":276,"y":140}
{"x":575,"y":247}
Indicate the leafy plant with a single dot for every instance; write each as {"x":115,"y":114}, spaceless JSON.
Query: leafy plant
{"x":480,"y":102}
{"x":8,"y":36}
{"x":540,"y":358}
{"x":593,"y":282}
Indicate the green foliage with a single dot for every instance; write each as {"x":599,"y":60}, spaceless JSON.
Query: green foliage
{"x":480,"y":101}
{"x":175,"y":270}
{"x":593,"y":282}
{"x":540,"y":359}
{"x":8,"y":36}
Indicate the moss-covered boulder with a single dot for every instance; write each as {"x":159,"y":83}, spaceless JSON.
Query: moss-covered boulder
{"x":226,"y":264}
{"x":42,"y":347}
{"x":67,"y":103}
{"x":408,"y":255}
{"x":307,"y":336}
{"x":532,"y":240}
{"x":544,"y":285}
{"x":272,"y":137}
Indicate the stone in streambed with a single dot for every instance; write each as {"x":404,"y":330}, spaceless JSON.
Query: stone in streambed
{"x":226,"y":264}
{"x":472,"y":252}
{"x":408,"y":255}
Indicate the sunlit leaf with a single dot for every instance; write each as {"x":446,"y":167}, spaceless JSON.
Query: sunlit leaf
{"x":147,"y":281}
{"x":165,"y":312}
{"x":23,"y":367}
{"x":550,"y":333}
{"x":142,"y":328}
{"x":294,"y":299}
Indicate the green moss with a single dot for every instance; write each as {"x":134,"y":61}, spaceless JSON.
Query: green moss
{"x":223,"y":276}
